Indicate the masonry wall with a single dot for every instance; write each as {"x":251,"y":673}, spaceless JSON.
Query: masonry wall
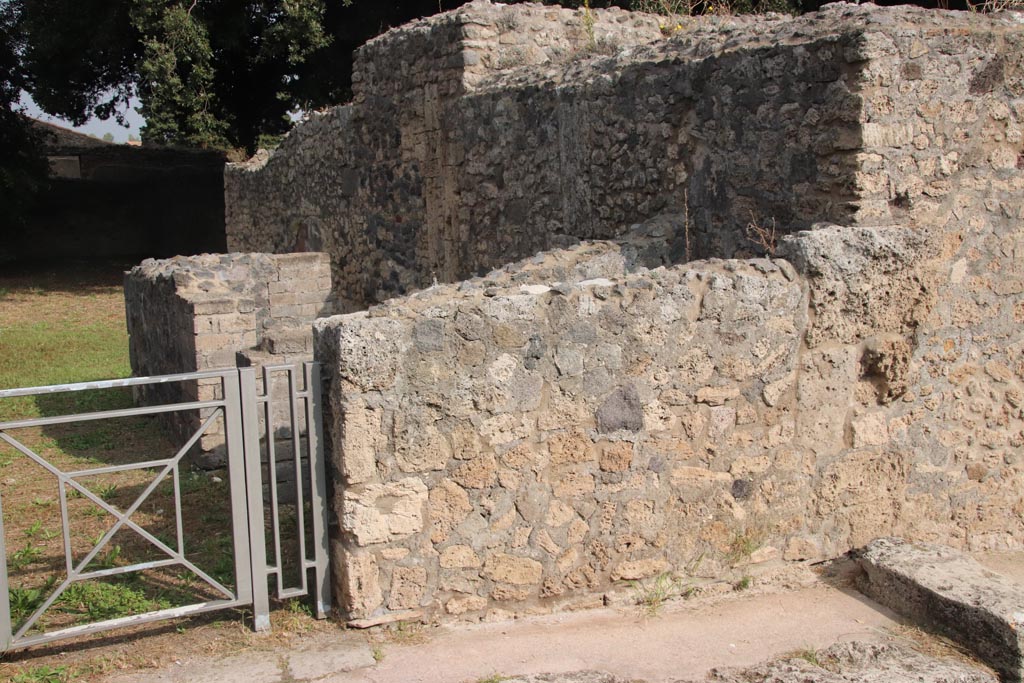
{"x":618,"y":409}
{"x":522,"y":442}
{"x":378,"y":184}
{"x":220,"y":311}
{"x":525,"y":442}
{"x":483,"y":135}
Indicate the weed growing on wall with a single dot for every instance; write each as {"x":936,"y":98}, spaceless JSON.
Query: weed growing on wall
{"x":588,"y":25}
{"x":764,"y":234}
{"x":651,"y":595}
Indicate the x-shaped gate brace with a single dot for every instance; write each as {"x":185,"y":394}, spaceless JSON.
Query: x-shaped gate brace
{"x":239,"y":409}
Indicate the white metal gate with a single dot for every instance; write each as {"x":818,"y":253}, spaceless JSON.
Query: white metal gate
{"x":248,"y":408}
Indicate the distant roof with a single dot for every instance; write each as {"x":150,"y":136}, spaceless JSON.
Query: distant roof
{"x":59,"y":139}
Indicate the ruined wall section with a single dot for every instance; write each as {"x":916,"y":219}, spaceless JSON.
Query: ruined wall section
{"x":750,"y":133}
{"x":377,"y":183}
{"x":505,"y":446}
{"x":482,"y":135}
{"x":195,"y":313}
{"x":916,"y":329}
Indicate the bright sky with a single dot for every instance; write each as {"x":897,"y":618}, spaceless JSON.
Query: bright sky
{"x":93,"y":126}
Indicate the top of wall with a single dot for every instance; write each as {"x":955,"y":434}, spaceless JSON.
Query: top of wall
{"x":483,"y":44}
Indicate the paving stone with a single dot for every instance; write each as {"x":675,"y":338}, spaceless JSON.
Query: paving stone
{"x":312,"y":664}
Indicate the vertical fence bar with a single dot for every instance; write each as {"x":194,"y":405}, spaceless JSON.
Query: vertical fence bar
{"x":237,"y":478}
{"x":300,"y":502}
{"x":254,"y":489}
{"x":5,"y":599}
{"x":275,"y":524}
{"x":318,"y":489}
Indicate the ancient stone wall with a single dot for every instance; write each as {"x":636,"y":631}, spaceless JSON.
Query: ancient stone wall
{"x":376,"y":184}
{"x":612,"y":410}
{"x":526,"y":441}
{"x":508,"y":445}
{"x":483,"y":135}
{"x":220,"y":311}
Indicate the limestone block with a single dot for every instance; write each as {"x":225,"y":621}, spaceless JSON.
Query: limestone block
{"x":378,"y":513}
{"x":422,"y":448}
{"x":870,"y":430}
{"x":640,"y":569}
{"x":574,"y":484}
{"x":570,"y":447}
{"x":722,"y":420}
{"x":361,"y":593}
{"x":459,"y":557}
{"x":518,"y":571}
{"x":463,"y":604}
{"x":478,"y":473}
{"x":559,"y":513}
{"x":449,"y":506}
{"x":798,"y":548}
{"x":407,"y":587}
{"x":617,"y":457}
{"x":717,"y":396}
{"x":361,"y":439}
{"x":502,"y":429}
{"x":368,"y":350}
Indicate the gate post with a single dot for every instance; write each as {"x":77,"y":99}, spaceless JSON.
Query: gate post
{"x":257,"y":542}
{"x":318,"y":489}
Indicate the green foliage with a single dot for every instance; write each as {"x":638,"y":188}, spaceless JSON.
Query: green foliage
{"x":176,"y":82}
{"x":24,"y":601}
{"x":44,"y":674}
{"x":743,"y":546}
{"x":24,"y":556}
{"x":102,"y":600}
{"x":23,"y":170}
{"x":652,"y":594}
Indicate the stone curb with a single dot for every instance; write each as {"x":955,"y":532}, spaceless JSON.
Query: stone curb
{"x":949,"y":591}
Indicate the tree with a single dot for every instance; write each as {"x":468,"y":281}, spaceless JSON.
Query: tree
{"x":23,"y":169}
{"x":210,"y":73}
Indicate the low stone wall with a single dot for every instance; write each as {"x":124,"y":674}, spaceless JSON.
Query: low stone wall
{"x":523,"y":441}
{"x":506,"y":445}
{"x":219,"y":311}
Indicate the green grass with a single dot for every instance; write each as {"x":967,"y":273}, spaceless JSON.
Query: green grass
{"x":651,"y":595}
{"x":102,"y":600}
{"x":37,"y":354}
{"x":809,"y":655}
{"x":45,"y":674}
{"x":742,"y":547}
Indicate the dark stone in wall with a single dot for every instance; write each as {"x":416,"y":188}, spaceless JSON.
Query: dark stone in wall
{"x":621,"y":410}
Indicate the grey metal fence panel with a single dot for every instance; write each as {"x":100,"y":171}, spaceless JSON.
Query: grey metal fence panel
{"x":240,"y":410}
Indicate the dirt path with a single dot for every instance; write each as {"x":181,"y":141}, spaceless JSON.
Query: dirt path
{"x":683,"y":642}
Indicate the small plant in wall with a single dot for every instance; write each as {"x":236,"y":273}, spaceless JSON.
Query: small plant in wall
{"x":652,"y":594}
{"x":763,"y":233}
{"x":588,"y":25}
